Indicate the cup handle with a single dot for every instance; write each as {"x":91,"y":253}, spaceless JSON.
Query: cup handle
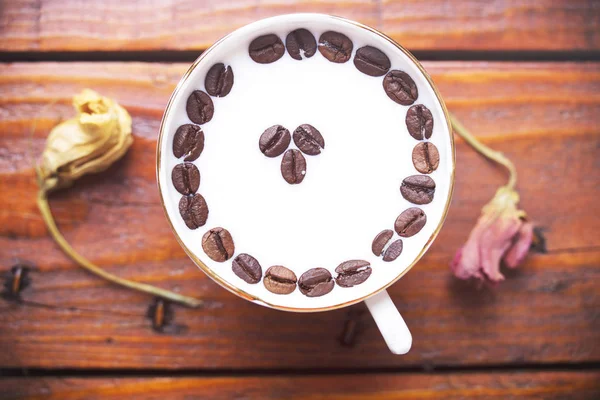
{"x":390,"y":322}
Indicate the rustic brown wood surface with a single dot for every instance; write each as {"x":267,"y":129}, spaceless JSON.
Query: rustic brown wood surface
{"x":544,"y":116}
{"x":516,"y":385}
{"x":535,"y":336}
{"x":63,"y":25}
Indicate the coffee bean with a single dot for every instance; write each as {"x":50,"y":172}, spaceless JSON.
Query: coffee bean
{"x":199,"y":107}
{"x":393,"y":251}
{"x":266,"y":49}
{"x":193,"y":210}
{"x":380,"y":241}
{"x":186,"y":178}
{"x":301,"y":43}
{"x":308,"y":139}
{"x":189,"y":141}
{"x":274,"y":141}
{"x":425,"y":157}
{"x":280,"y":280}
{"x":352,"y":273}
{"x":293,"y":167}
{"x":400,"y":87}
{"x":247,"y":268}
{"x":371,"y":61}
{"x":315,"y":282}
{"x":335,"y":46}
{"x":218,"y":244}
{"x":219,"y":80}
{"x":419,"y":122}
{"x":410,"y":222}
{"x":418,"y":189}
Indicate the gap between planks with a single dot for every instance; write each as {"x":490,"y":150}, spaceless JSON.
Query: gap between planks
{"x":194,"y":372}
{"x":173,"y":56}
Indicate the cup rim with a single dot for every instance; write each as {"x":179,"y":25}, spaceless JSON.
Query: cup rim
{"x":256,"y":299}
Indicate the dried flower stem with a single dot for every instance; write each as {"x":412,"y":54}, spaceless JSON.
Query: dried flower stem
{"x":53,"y":174}
{"x":486,"y":151}
{"x":42,"y":201}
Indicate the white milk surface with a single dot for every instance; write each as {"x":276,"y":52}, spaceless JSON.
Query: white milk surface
{"x":351,"y":190}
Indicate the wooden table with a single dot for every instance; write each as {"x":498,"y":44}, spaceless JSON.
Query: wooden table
{"x":524,"y":76}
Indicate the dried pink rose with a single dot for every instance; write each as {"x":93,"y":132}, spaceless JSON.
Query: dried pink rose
{"x":500,"y":233}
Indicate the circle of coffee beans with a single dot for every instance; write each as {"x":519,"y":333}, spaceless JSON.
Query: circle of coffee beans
{"x":352,"y":273}
{"x":188,"y":143}
{"x":400,"y":87}
{"x":218,"y":244}
{"x":266,"y":49}
{"x":419,"y":122}
{"x":247,"y":268}
{"x":371,"y":61}
{"x":219,"y":80}
{"x":193,"y":210}
{"x":410,"y":222}
{"x":186,"y":178}
{"x":199,"y":107}
{"x":280,"y":280}
{"x":301,"y":43}
{"x":316,"y":282}
{"x":418,"y":189}
{"x":425,"y":157}
{"x":335,"y":46}
{"x":383,"y":246}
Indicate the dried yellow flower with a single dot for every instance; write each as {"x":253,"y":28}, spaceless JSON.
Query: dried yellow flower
{"x":98,"y":136}
{"x":90,"y":142}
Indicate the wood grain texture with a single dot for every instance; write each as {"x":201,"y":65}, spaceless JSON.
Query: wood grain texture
{"x":544,"y":116}
{"x":514,"y":385}
{"x":59,"y":25}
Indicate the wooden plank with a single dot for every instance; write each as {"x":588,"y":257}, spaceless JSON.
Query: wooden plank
{"x":58,"y":25}
{"x":450,"y":386}
{"x":544,"y":116}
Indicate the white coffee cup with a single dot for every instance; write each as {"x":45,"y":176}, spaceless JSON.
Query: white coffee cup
{"x":351,"y":190}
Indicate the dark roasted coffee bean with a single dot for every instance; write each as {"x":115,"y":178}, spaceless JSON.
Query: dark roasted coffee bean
{"x":293,"y":167}
{"x":393,"y":251}
{"x":419,"y":122}
{"x":219,"y":80}
{"x":410,"y":222}
{"x":189,"y":141}
{"x":193,"y":210}
{"x":425,"y":157}
{"x":380,"y":241}
{"x":186,"y":178}
{"x":218,"y":244}
{"x":199,"y":107}
{"x":280,"y":280}
{"x":247,"y":268}
{"x":352,"y":273}
{"x":335,"y":46}
{"x":301,"y":43}
{"x":316,"y":282}
{"x":308,"y":139}
{"x":418,"y":189}
{"x":371,"y":61}
{"x":400,"y":87}
{"x":266,"y":49}
{"x":274,"y":141}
